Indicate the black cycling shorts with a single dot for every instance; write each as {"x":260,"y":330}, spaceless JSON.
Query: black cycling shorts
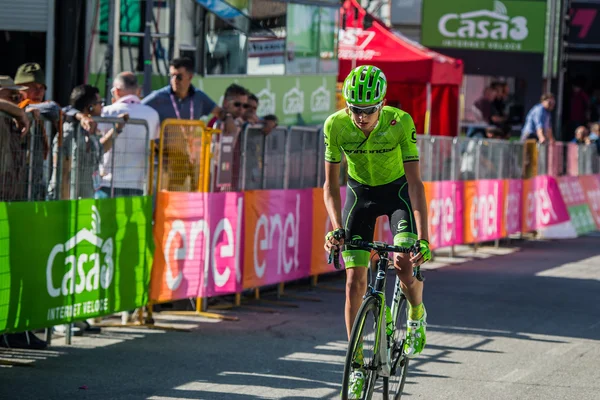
{"x":364,"y":204}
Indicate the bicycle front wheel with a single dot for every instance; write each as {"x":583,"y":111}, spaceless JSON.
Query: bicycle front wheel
{"x":361,"y":349}
{"x":394,"y":385}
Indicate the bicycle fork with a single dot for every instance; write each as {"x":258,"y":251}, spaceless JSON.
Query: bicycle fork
{"x":385,"y":349}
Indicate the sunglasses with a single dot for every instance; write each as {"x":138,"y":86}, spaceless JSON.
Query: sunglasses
{"x":178,"y":77}
{"x":249,"y":106}
{"x":238,"y":104}
{"x":364,"y":110}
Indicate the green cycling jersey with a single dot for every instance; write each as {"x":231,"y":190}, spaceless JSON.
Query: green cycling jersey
{"x":379,"y":158}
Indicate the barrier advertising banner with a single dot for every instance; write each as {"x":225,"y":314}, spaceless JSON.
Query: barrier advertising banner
{"x":90,"y":258}
{"x":483,"y":210}
{"x":321,"y":224}
{"x":199,"y":245}
{"x":575,"y":199}
{"x":513,"y":195}
{"x":445,"y":212}
{"x":542,"y":204}
{"x":590,"y":185}
{"x":278,"y":232}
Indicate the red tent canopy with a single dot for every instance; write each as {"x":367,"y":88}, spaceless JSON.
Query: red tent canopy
{"x":420,"y":79}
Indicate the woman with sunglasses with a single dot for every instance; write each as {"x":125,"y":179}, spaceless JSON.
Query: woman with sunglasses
{"x":380,"y":145}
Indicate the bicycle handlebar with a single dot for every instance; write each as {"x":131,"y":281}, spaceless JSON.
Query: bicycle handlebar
{"x":334,"y":256}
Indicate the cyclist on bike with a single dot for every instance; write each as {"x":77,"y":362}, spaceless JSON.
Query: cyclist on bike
{"x":380,"y":145}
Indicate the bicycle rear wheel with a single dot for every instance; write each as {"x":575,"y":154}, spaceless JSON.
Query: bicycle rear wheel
{"x":394,"y":385}
{"x":364,"y":331}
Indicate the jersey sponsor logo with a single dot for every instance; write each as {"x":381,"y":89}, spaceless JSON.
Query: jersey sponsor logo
{"x":411,"y":158}
{"x":393,"y":122}
{"x":402,"y":225}
{"x":379,"y":151}
{"x":349,"y":259}
{"x":413,"y":136}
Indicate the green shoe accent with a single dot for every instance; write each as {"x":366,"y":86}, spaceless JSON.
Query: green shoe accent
{"x":416,"y":313}
{"x":415,"y":336}
{"x":389,"y":324}
{"x":356,"y":384}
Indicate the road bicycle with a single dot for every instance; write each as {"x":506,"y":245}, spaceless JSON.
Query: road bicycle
{"x":387,"y":360}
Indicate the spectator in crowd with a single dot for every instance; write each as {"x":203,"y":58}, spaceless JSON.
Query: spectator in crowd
{"x":582,"y":135}
{"x":498,"y":114}
{"x":33,"y":78}
{"x":269,"y":122}
{"x":227,"y":153}
{"x":130,"y":150}
{"x":235,"y":100}
{"x":88,"y":146}
{"x":181,"y":100}
{"x":250,"y":109}
{"x":538,"y":123}
{"x":482,"y":109}
{"x":12,"y":136}
{"x":13,"y":131}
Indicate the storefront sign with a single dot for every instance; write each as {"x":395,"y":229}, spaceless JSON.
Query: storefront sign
{"x":484,"y":25}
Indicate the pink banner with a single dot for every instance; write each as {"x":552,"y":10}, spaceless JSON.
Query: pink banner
{"x":198,"y":245}
{"x":513,"y":194}
{"x":571,"y":190}
{"x":543,"y":204}
{"x":445,"y":202}
{"x":483,"y":210}
{"x":278,"y":236}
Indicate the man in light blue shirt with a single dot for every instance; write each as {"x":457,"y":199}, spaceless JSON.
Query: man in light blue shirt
{"x":538,"y":124}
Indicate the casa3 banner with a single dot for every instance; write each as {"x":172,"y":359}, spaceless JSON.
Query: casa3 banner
{"x":70,"y":260}
{"x":488,"y":25}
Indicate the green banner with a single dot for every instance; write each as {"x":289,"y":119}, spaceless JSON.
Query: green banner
{"x":582,"y":219}
{"x":489,"y":25}
{"x":68,"y":260}
{"x":295,"y":99}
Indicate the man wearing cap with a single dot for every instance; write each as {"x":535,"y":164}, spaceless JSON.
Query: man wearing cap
{"x":32,"y":77}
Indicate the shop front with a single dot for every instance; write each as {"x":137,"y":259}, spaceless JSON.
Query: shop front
{"x":285,"y":52}
{"x":499,"y":42}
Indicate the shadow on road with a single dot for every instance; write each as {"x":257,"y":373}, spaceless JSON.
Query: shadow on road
{"x":299,"y":353}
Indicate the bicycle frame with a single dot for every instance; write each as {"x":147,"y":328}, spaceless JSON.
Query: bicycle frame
{"x":378,"y":290}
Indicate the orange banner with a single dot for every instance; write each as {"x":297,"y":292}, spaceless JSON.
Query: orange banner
{"x":320,"y":226}
{"x":278,"y":231}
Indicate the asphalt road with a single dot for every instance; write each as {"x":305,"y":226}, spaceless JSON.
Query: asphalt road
{"x":523,"y":325}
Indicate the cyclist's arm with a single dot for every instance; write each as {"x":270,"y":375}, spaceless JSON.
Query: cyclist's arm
{"x":331,"y":188}
{"x":331,"y":194}
{"x":416,"y":192}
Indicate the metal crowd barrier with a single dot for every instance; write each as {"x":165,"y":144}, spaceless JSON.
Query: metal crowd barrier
{"x":283,"y":159}
{"x":24,"y":159}
{"x":184,"y":156}
{"x":294,"y":158}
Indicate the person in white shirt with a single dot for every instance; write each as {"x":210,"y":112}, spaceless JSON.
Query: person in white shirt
{"x":131,"y":146}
